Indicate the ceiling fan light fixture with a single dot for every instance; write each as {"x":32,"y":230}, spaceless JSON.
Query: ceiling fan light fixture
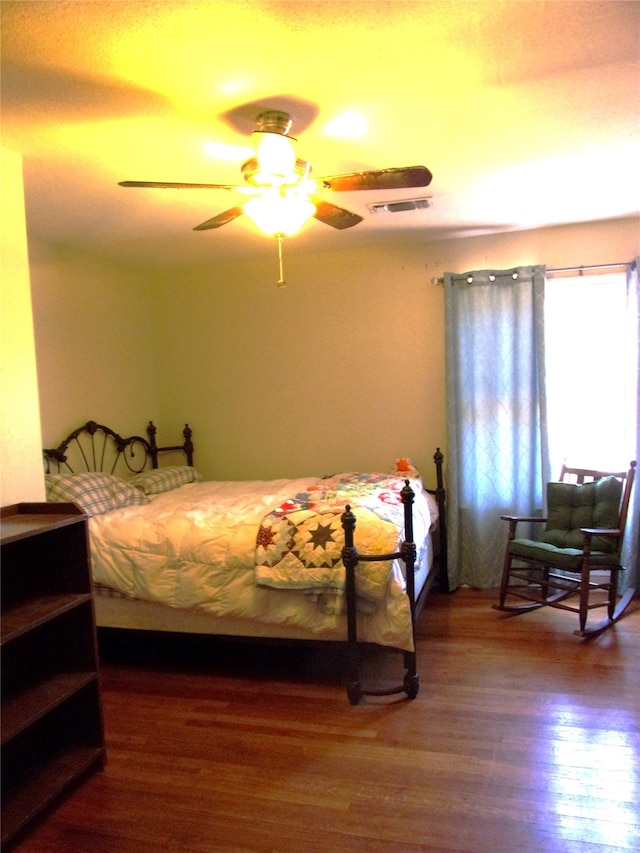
{"x":256,"y":176}
{"x":275,"y":154}
{"x":283,"y":194}
{"x":279,"y":212}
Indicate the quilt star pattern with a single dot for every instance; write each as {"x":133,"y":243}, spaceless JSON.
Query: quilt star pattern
{"x":299,"y":544}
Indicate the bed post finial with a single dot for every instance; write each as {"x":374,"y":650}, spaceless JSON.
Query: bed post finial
{"x":440,"y":495}
{"x":188,"y":444}
{"x":350,"y":561}
{"x":153,"y":447}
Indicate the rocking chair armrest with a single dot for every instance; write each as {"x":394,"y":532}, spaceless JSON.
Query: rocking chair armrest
{"x":589,"y":532}
{"x":513,"y":522}
{"x":517,"y":518}
{"x":600,"y":531}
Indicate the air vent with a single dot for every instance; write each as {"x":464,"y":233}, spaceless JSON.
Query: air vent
{"x":397,"y":206}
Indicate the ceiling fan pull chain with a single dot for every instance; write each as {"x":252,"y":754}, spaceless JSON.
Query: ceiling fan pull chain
{"x":281,"y":281}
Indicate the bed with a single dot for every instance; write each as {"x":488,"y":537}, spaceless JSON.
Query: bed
{"x":253,"y":559}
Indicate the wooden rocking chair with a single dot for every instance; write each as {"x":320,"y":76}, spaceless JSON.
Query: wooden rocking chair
{"x":583,"y":535}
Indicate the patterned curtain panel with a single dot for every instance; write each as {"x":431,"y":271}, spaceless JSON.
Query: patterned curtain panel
{"x":496,"y":413}
{"x":630,"y":578}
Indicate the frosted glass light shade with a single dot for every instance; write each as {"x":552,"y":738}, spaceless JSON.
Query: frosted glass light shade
{"x":278,"y":212}
{"x":276,"y":154}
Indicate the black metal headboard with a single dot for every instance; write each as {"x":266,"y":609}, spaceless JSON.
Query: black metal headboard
{"x":95,"y":447}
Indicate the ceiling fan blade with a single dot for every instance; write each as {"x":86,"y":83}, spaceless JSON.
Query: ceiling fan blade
{"x":336,"y":217}
{"x":220,"y":219}
{"x":381,"y":179}
{"x":168,"y":185}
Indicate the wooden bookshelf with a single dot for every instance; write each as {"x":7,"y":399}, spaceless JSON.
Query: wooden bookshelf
{"x":52,"y":727}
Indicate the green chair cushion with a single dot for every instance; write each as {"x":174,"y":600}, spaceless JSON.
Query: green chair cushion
{"x":571,"y":506}
{"x":569,"y":559}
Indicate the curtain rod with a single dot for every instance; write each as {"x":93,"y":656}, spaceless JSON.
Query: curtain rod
{"x":589,"y":267}
{"x":580,"y":270}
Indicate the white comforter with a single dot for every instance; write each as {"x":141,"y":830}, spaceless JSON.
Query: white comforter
{"x":195,"y":547}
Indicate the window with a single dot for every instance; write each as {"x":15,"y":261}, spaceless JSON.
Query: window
{"x":590,"y":343}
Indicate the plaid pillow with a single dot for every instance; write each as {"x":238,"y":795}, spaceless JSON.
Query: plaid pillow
{"x":93,"y":491}
{"x":164,"y":479}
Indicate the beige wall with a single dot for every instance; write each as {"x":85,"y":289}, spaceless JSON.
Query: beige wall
{"x":21,"y":472}
{"x":340,"y":370}
{"x":343,"y":369}
{"x":94,"y":343}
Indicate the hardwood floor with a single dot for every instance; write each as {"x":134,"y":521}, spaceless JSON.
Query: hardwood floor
{"x":522,"y":738}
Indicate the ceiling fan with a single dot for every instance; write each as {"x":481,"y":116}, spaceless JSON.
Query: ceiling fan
{"x":283,"y":195}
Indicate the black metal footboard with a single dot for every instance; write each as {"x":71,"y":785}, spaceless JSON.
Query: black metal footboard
{"x":351,"y":557}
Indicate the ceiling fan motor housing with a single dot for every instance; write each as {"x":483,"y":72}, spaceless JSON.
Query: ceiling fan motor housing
{"x":257,"y":177}
{"x":274,"y":121}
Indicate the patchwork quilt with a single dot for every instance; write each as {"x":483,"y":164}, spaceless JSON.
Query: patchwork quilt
{"x":299,"y":544}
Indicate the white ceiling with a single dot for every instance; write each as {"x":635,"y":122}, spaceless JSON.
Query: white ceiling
{"x":527,"y":114}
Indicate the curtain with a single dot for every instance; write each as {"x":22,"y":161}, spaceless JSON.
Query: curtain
{"x":630,"y":578}
{"x":498,"y":457}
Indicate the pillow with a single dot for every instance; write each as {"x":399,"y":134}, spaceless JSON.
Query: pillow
{"x":572,"y":506}
{"x":160,"y":480}
{"x":93,"y":491}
